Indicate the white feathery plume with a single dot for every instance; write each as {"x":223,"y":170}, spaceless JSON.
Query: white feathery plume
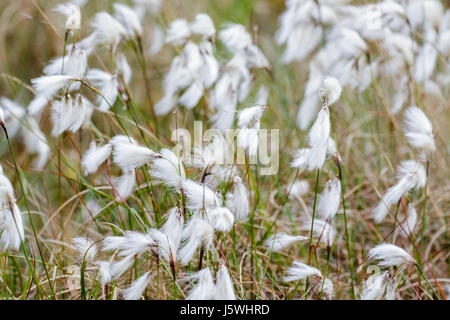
{"x":62,"y":115}
{"x":81,"y":113}
{"x":86,"y":248}
{"x":166,"y":248}
{"x":198,"y":233}
{"x":281,"y":240}
{"x":374,"y":287}
{"x":125,"y":184}
{"x":48,"y":86}
{"x":199,"y":196}
{"x":203,"y":26}
{"x":11,"y":226}
{"x":119,"y":267}
{"x":299,"y":271}
{"x":129,"y":20}
{"x":178,"y":32}
{"x":389,"y":255}
{"x":127,"y":155}
{"x":300,"y":159}
{"x":192,"y":95}
{"x":322,"y":230}
{"x":173,"y":227}
{"x":75,"y":64}
{"x":205,"y":288}
{"x":95,"y":156}
{"x":136,"y":289}
{"x":329,"y":200}
{"x":318,"y":140}
{"x":108,"y":30}
{"x":107,"y":84}
{"x":410,"y":175}
{"x":209,"y":70}
{"x":104,"y":271}
{"x":298,"y":188}
{"x":419,"y":130}
{"x":239,"y":203}
{"x":221,"y":219}
{"x":73,"y":16}
{"x":169,"y":169}
{"x":248,"y":116}
{"x":132,"y":243}
{"x":224,"y":285}
{"x":235,"y":37}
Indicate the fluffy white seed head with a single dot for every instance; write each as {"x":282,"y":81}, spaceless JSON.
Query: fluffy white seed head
{"x":95,"y":156}
{"x":197,"y":233}
{"x":199,"y":196}
{"x":205,"y":287}
{"x":419,"y":130}
{"x":300,"y":271}
{"x":329,"y":200}
{"x":203,"y":26}
{"x":374,"y":287}
{"x":73,"y":16}
{"x":127,"y":155}
{"x":178,"y":32}
{"x":281,"y":240}
{"x":389,"y":255}
{"x":330,"y":91}
{"x":137,"y":288}
{"x":169,"y":169}
{"x":221,"y":219}
{"x":224,"y":285}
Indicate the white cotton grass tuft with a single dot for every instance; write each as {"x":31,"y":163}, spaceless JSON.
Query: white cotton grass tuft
{"x":330,"y":91}
{"x":108,"y":31}
{"x":173,"y":226}
{"x":197,"y":233}
{"x":224,"y":285}
{"x":419,"y":130}
{"x":221,"y":219}
{"x":281,"y":240}
{"x":322,"y":230}
{"x":165,"y":247}
{"x":390,"y":255}
{"x":169,"y":169}
{"x":132,"y":243}
{"x":375,"y":287}
{"x":104,"y":272}
{"x":410,"y":175}
{"x":48,"y":86}
{"x":11,"y":225}
{"x":203,"y":26}
{"x":205,"y":287}
{"x":300,"y":271}
{"x":73,"y":16}
{"x":178,"y":32}
{"x":129,"y":19}
{"x":199,"y":196}
{"x":137,"y":288}
{"x":125,"y":184}
{"x":298,"y":189}
{"x":86,"y":248}
{"x":329,"y":200}
{"x":128,"y":155}
{"x":238,"y":201}
{"x":119,"y":267}
{"x":95,"y":156}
